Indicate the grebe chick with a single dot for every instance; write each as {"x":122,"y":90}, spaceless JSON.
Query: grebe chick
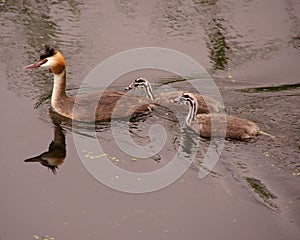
{"x":54,"y":61}
{"x":236,"y":128}
{"x":205,"y":104}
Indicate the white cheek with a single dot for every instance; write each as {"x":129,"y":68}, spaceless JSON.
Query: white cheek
{"x":49,"y":64}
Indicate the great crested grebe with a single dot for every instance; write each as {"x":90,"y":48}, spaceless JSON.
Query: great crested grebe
{"x":205,"y":104}
{"x":64,"y":105}
{"x":236,"y":128}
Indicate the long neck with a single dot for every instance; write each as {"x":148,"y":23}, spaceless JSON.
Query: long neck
{"x":149,"y":92}
{"x":59,"y":87}
{"x":192,"y":111}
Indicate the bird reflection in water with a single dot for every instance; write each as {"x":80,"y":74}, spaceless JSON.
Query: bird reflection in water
{"x":57,"y":149}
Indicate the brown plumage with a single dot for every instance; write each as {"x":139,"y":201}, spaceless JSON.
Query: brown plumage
{"x":205,"y":104}
{"x":118,"y":103}
{"x":224,"y":125}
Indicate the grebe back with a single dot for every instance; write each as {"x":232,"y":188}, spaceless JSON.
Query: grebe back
{"x":205,"y":104}
{"x":231,"y":127}
{"x":64,"y":105}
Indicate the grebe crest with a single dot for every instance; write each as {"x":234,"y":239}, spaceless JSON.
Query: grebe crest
{"x":51,"y":59}
{"x":64,"y":105}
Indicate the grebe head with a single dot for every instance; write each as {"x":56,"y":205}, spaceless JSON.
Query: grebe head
{"x":138,"y":83}
{"x":186,"y":98}
{"x":190,"y":100}
{"x":50,"y":59}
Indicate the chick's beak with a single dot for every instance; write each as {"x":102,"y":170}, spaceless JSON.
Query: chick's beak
{"x":176,"y":100}
{"x":131,"y":86}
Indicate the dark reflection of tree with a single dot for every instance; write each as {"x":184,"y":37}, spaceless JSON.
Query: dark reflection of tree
{"x":27,"y":25}
{"x":183,"y":20}
{"x":37,"y":21}
{"x":191,"y":21}
{"x":216,"y":43}
{"x":291,"y":8}
{"x":127,"y":7}
{"x":215,"y":32}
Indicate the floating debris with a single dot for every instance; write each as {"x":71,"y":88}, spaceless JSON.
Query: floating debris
{"x":36,"y":237}
{"x":267,"y":154}
{"x":92,"y":156}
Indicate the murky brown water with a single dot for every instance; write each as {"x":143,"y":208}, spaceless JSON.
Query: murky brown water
{"x":247,"y":46}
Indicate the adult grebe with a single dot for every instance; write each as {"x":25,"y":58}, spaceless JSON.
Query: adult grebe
{"x":205,"y":104}
{"x":64,"y":105}
{"x":236,"y":128}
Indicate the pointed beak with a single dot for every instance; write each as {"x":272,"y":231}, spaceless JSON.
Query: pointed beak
{"x":34,"y":65}
{"x":176,"y":100}
{"x":131,"y":86}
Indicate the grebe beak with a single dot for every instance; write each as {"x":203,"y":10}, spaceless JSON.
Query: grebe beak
{"x":36,"y":64}
{"x":176,"y":100}
{"x":179,"y":100}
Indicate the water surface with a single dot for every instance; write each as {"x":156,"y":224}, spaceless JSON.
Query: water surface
{"x":251,"y":49}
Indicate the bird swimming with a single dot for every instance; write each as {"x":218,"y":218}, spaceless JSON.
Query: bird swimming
{"x":63,"y":104}
{"x":229,"y":126}
{"x":205,"y":104}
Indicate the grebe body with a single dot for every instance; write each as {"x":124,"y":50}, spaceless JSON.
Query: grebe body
{"x":205,"y":104}
{"x":230,"y":127}
{"x":127,"y":105}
